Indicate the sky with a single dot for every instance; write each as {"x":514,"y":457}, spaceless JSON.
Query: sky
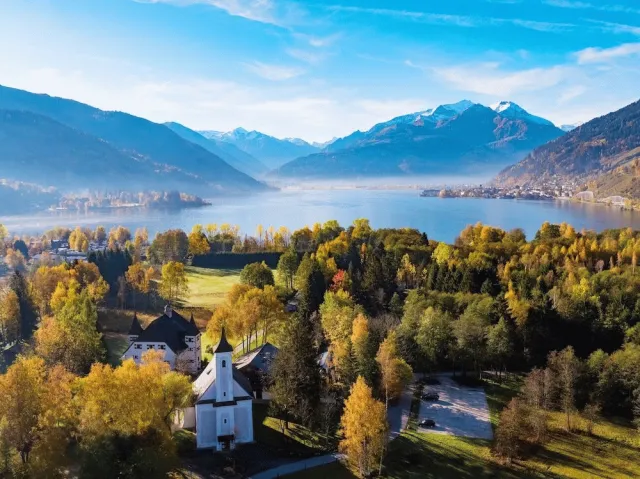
{"x":323,"y":68}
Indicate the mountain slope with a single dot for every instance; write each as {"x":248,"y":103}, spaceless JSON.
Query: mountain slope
{"x":134,"y":136}
{"x":595,"y":148}
{"x":233,"y":155}
{"x":271,"y":151}
{"x":459,"y":139}
{"x":37,"y":149}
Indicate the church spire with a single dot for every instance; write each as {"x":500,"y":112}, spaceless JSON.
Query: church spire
{"x":135,"y":328}
{"x":223,"y":345}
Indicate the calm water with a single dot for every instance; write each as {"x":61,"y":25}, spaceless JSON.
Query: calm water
{"x":442,"y":219}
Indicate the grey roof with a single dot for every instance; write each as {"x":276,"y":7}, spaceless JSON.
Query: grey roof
{"x":135,"y":328}
{"x":223,"y":346}
{"x":170,"y":330}
{"x":259,"y":358}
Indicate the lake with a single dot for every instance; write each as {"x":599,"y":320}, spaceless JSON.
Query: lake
{"x":441,"y":219}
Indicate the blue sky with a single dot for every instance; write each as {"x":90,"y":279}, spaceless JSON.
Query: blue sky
{"x":318,"y":69}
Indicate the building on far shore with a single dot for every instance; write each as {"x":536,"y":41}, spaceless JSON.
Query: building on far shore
{"x":171,"y":333}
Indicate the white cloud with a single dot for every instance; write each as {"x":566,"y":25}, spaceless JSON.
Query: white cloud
{"x":579,"y":5}
{"x":603,"y":55}
{"x":273,"y":72}
{"x":263,"y":11}
{"x":571,"y":93}
{"x":617,"y":27}
{"x":458,"y":20}
{"x":490,"y":79}
{"x":311,"y":57}
{"x":317,"y":41}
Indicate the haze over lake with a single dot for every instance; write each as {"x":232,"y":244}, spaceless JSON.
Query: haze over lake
{"x":441,"y":219}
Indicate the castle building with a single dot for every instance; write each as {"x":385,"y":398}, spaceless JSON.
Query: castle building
{"x":171,"y":333}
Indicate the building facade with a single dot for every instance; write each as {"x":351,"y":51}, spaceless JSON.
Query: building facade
{"x":177,"y":337}
{"x":224,"y":403}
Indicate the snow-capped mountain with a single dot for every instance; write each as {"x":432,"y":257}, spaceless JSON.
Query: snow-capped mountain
{"x":458,"y":138}
{"x":271,"y":151}
{"x":571,"y":127}
{"x":508,"y":109}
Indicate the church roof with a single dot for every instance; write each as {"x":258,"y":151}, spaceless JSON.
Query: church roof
{"x":259,"y":358}
{"x":135,"y":328}
{"x":171,"y":329}
{"x":223,"y":346}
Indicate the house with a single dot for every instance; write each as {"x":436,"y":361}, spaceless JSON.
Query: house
{"x":256,"y":366}
{"x":171,"y":333}
{"x":223,"y":406}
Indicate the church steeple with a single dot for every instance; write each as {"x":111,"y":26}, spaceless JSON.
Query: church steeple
{"x":223,"y":345}
{"x":224,"y":369}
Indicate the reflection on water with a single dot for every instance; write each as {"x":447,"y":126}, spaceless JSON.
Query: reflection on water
{"x":441,"y":219}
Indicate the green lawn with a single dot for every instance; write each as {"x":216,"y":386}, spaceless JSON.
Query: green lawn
{"x":208,"y":287}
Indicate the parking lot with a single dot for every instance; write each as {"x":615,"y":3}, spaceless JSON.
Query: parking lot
{"x":460,"y":410}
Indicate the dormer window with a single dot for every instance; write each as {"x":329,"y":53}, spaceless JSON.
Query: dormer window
{"x":224,"y":363}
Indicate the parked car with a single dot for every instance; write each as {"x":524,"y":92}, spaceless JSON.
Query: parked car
{"x":429,"y":423}
{"x":430,"y":397}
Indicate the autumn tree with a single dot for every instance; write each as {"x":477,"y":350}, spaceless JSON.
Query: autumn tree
{"x":70,"y":337}
{"x":172,"y":245}
{"x":37,"y":403}
{"x":174,"y":281}
{"x":139,"y":280}
{"x":9,"y":316}
{"x":15,"y":260}
{"x":311,"y":286}
{"x":28,"y":316}
{"x":363,"y":348}
{"x":198,"y":243}
{"x":511,"y":431}
{"x":78,"y":240}
{"x":364,"y":429}
{"x":395,"y":372}
{"x":257,"y":275}
{"x":287,"y":267}
{"x":100,"y":234}
{"x":138,"y":443}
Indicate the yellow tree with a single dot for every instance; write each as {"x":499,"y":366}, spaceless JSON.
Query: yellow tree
{"x":198,"y":243}
{"x":100,"y":234}
{"x":9,"y":316}
{"x":36,"y":405}
{"x":174,"y":281}
{"x":105,"y":415}
{"x":15,"y":260}
{"x":78,"y":240}
{"x":139,"y":279}
{"x":364,"y":429}
{"x":395,"y":372}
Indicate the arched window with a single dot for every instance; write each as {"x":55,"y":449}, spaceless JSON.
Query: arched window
{"x":224,"y":363}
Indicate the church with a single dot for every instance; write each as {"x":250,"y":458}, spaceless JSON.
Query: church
{"x":223,"y":406}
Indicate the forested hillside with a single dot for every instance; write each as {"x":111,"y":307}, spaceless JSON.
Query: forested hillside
{"x":134,"y":138}
{"x":604,"y":146}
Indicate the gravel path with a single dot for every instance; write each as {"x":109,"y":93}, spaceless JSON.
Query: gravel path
{"x":461,"y":411}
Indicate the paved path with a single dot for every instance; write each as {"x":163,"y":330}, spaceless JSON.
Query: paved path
{"x":398,"y":414}
{"x":461,"y":411}
{"x":297,"y":467}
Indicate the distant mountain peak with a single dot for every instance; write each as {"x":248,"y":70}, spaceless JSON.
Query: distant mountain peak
{"x":571,"y":127}
{"x":510,"y":109}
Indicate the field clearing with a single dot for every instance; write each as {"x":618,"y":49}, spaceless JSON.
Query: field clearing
{"x":208,"y":287}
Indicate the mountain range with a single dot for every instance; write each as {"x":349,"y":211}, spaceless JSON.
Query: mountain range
{"x":70,"y":145}
{"x":272,"y":152}
{"x":603,"y":155}
{"x":463,"y":138}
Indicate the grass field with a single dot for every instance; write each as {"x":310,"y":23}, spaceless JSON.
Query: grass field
{"x":208,"y":287}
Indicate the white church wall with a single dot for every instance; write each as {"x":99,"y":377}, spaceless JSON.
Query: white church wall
{"x":206,"y":432}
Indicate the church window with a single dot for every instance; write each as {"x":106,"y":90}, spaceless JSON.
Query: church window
{"x":224,"y":363}
{"x":225,"y":421}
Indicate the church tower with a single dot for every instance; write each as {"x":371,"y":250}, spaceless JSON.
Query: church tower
{"x":224,"y":370}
